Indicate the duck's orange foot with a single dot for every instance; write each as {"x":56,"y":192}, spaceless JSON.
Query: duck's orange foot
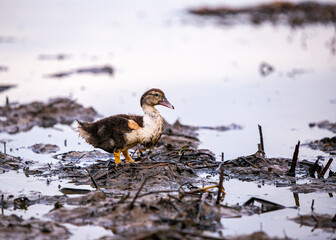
{"x":128,"y":158}
{"x":117,"y":157}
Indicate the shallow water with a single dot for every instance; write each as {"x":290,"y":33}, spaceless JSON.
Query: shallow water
{"x":209,"y":72}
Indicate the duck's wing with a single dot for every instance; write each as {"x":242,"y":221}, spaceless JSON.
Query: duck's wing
{"x":136,"y":118}
{"x":118,"y":124}
{"x":109,"y":133}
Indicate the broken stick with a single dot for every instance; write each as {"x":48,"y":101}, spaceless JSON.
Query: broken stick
{"x":137,"y":193}
{"x":321,"y":175}
{"x":92,"y":179}
{"x":261,"y":141}
{"x":314,"y":169}
{"x":291,"y":171}
{"x":220,"y":186}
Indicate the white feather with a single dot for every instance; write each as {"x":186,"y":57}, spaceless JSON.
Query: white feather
{"x":150,"y":132}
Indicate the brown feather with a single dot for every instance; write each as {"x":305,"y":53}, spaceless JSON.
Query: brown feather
{"x":109,"y":133}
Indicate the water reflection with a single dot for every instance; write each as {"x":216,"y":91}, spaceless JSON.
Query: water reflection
{"x":296,"y":198}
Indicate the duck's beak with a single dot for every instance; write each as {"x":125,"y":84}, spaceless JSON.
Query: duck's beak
{"x":166,"y":103}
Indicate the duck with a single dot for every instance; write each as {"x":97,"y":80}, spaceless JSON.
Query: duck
{"x":118,"y":133}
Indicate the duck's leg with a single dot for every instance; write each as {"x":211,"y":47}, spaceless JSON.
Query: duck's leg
{"x":128,"y":158}
{"x":117,"y":157}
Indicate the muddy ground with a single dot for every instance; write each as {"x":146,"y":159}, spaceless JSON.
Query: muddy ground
{"x":160,"y":196}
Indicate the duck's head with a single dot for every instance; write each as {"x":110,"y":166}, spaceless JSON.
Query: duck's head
{"x":154,"y":97}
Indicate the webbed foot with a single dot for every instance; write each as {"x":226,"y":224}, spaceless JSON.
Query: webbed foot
{"x":128,"y":158}
{"x":117,"y":157}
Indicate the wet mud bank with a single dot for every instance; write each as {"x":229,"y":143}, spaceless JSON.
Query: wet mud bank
{"x":327,"y":144}
{"x":14,"y":227}
{"x":174,"y":190}
{"x":108,"y":70}
{"x":279,"y":12}
{"x":23,"y":117}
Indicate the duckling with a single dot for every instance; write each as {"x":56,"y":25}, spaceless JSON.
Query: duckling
{"x":121,"y":132}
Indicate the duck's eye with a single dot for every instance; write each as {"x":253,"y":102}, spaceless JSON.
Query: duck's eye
{"x":156,"y":94}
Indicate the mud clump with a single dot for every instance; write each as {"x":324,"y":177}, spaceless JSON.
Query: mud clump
{"x":42,"y":148}
{"x":14,"y":227}
{"x":293,"y":14}
{"x":23,"y":117}
{"x":256,"y":167}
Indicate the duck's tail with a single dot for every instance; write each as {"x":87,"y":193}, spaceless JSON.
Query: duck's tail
{"x":83,"y":129}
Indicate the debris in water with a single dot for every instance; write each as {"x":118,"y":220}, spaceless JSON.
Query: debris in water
{"x":44,"y":148}
{"x":266,"y":206}
{"x":296,"y":71}
{"x":325,"y":125}
{"x":21,"y":203}
{"x":3,"y":68}
{"x":7,"y":39}
{"x":265,"y":69}
{"x":94,"y":70}
{"x":6,"y":87}
{"x":58,"y":57}
{"x":67,"y":191}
